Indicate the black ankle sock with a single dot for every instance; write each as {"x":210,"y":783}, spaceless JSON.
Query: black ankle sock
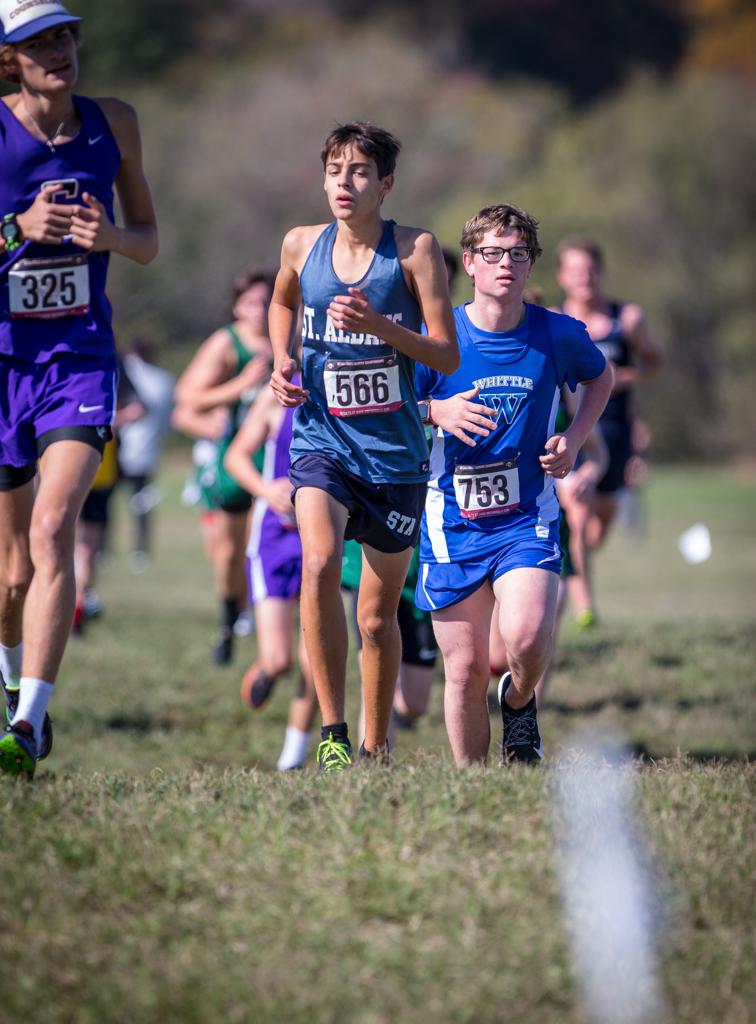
{"x":229,"y":612}
{"x":338,"y":731}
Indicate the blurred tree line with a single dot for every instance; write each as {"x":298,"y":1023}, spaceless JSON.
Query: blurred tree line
{"x":635,"y":123}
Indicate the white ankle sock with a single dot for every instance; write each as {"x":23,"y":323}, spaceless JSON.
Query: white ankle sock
{"x":33,"y":698}
{"x":10,"y":665}
{"x":294,"y":749}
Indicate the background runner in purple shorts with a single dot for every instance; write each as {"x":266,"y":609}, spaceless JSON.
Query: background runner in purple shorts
{"x":61,"y":156}
{"x":275,"y":568}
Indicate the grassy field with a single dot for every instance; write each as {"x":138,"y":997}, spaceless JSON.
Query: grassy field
{"x":163,"y":872}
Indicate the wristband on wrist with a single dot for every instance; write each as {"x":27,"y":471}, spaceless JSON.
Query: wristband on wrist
{"x":424,"y":410}
{"x":11,"y":232}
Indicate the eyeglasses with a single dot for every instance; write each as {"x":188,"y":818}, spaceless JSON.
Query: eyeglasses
{"x":495,"y":253}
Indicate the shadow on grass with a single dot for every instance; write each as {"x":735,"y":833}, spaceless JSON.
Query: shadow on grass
{"x":623,"y":701}
{"x":587,"y":651}
{"x":648,"y":756}
{"x":140,"y":723}
{"x":667,"y":660}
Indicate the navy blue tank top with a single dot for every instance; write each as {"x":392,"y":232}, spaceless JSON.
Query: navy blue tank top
{"x":362,"y":411}
{"x":52,"y":297}
{"x":617,"y":415}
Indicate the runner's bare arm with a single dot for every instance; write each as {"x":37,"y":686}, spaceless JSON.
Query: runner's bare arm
{"x":210,"y":425}
{"x":595,"y":456}
{"x":263,"y":421}
{"x":255,"y":373}
{"x":581,"y":482}
{"x":645,"y":347}
{"x":252,"y":435}
{"x":423,"y":263}
{"x":91,"y":228}
{"x":282,"y":316}
{"x":212,"y":364}
{"x":562,"y":449}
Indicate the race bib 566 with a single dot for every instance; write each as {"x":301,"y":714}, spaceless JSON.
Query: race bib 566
{"x":357,"y":386}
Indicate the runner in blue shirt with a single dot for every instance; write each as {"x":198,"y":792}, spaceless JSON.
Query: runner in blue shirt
{"x":491,"y":522}
{"x":359,"y":455}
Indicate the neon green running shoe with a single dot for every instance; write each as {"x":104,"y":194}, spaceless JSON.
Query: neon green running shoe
{"x":11,"y":703}
{"x":18,"y":750}
{"x":334,"y":755}
{"x":586,"y":619}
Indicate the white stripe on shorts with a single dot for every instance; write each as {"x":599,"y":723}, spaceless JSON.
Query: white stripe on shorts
{"x":434,"y":503}
{"x":423,"y":580}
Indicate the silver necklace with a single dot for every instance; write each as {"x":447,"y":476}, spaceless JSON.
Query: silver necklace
{"x":49,"y":139}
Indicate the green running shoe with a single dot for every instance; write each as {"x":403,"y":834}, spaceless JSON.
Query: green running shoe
{"x":11,"y":703}
{"x":334,"y":755}
{"x":586,"y":619}
{"x":18,"y":750}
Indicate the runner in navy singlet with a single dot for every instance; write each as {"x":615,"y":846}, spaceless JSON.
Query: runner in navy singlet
{"x":359,"y":455}
{"x":620,"y":331}
{"x":61,"y":157}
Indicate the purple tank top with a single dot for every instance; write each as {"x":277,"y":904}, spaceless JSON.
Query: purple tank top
{"x":52,"y":297}
{"x":276,"y":465}
{"x":280,"y":444}
{"x":269,"y":529}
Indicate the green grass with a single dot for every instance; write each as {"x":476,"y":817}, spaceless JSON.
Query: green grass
{"x":158,"y":870}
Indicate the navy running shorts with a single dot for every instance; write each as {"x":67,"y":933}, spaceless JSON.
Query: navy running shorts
{"x":383,"y":516}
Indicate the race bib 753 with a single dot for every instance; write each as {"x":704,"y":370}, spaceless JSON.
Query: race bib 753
{"x":492,"y":489}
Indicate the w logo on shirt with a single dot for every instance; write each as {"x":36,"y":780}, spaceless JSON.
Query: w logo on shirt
{"x":506,"y":405}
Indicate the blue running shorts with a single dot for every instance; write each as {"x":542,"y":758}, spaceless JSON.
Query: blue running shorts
{"x":442,"y":584}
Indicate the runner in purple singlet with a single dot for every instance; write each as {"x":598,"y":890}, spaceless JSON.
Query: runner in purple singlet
{"x":275,"y":568}
{"x":61,"y":157}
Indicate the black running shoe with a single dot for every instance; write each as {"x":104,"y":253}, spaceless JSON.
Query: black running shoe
{"x":11,"y":703}
{"x":375,"y":757}
{"x":334,"y":755}
{"x":46,"y":739}
{"x":256,"y":687}
{"x":223,"y":651}
{"x":18,"y":750}
{"x":521,"y":740}
{"x":401,"y":721}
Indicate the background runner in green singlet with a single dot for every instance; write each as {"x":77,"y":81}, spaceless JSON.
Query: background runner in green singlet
{"x":212,"y":398}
